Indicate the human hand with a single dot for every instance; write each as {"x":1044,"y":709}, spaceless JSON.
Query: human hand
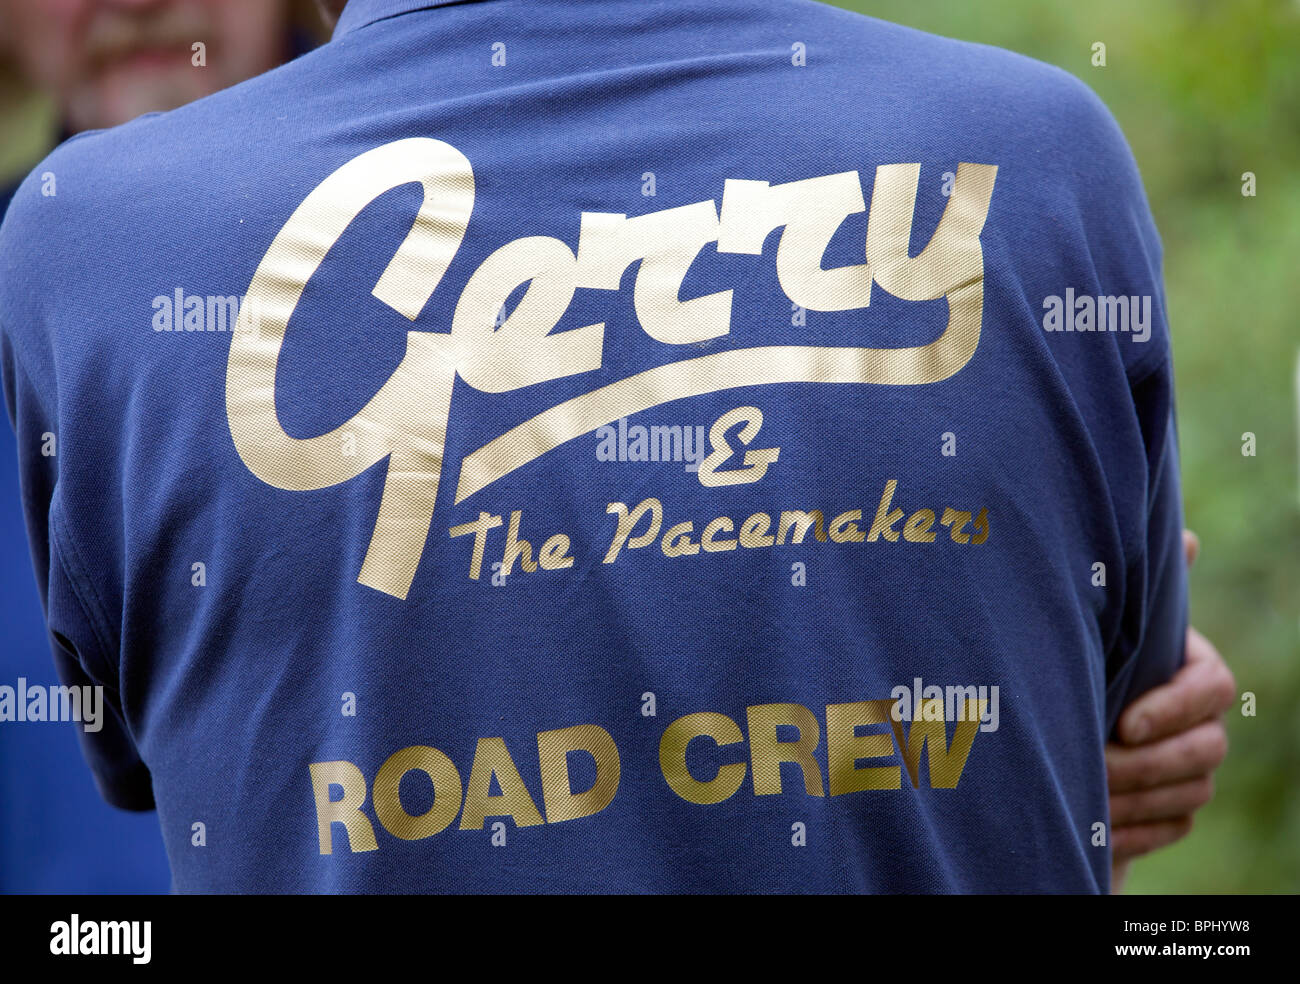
{"x":1171,"y":741}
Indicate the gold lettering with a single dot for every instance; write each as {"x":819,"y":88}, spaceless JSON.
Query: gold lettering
{"x":753,"y":531}
{"x":801,"y":521}
{"x":844,"y":747}
{"x":667,"y":243}
{"x":491,"y":758}
{"x":406,"y":420}
{"x":722,"y":524}
{"x":951,"y":266}
{"x":480,"y":527}
{"x":885,"y":520}
{"x":754,"y":463}
{"x":957,"y":519}
{"x":845,"y":529}
{"x":446,"y":793}
{"x":347,"y":811}
{"x":521,"y":351}
{"x":517,"y":549}
{"x":553,"y":748}
{"x":389,"y":426}
{"x":811,"y":210}
{"x":917,"y":527}
{"x":677,"y":541}
{"x":627,"y":523}
{"x":767,"y":752}
{"x":946,"y":762}
{"x":672,"y":757}
{"x":555,"y":553}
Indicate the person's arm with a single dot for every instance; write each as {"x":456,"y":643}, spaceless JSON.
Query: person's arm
{"x":82,"y":641}
{"x":1161,"y":771}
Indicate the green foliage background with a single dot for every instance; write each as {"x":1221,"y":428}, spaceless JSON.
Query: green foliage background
{"x":1206,"y":90}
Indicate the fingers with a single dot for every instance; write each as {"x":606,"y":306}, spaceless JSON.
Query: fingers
{"x":1173,"y":741}
{"x":1161,"y":803}
{"x":1203,"y":689}
{"x":1193,"y":753}
{"x":1129,"y":842}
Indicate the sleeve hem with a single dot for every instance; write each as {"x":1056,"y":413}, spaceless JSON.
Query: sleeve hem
{"x":131,"y":791}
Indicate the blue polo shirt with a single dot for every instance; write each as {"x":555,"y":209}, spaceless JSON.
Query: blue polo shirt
{"x":627,"y":447}
{"x":56,"y":833}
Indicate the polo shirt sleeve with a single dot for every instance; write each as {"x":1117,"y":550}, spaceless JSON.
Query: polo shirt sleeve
{"x":76,"y":623}
{"x":1133,"y":420}
{"x":1149,"y":647}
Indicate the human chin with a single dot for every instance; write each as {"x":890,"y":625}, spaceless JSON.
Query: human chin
{"x":138,"y":85}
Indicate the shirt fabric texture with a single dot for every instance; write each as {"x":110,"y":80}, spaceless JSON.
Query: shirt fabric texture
{"x":229,"y":683}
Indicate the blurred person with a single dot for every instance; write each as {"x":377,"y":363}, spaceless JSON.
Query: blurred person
{"x":108,"y":61}
{"x":1134,"y":815}
{"x":102,"y":63}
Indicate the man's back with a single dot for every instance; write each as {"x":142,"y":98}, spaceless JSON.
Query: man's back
{"x":735,"y":313}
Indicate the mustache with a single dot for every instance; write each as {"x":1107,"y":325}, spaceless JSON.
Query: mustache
{"x":112,"y":35}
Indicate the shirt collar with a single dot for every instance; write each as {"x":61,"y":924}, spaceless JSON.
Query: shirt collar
{"x":360,"y":13}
